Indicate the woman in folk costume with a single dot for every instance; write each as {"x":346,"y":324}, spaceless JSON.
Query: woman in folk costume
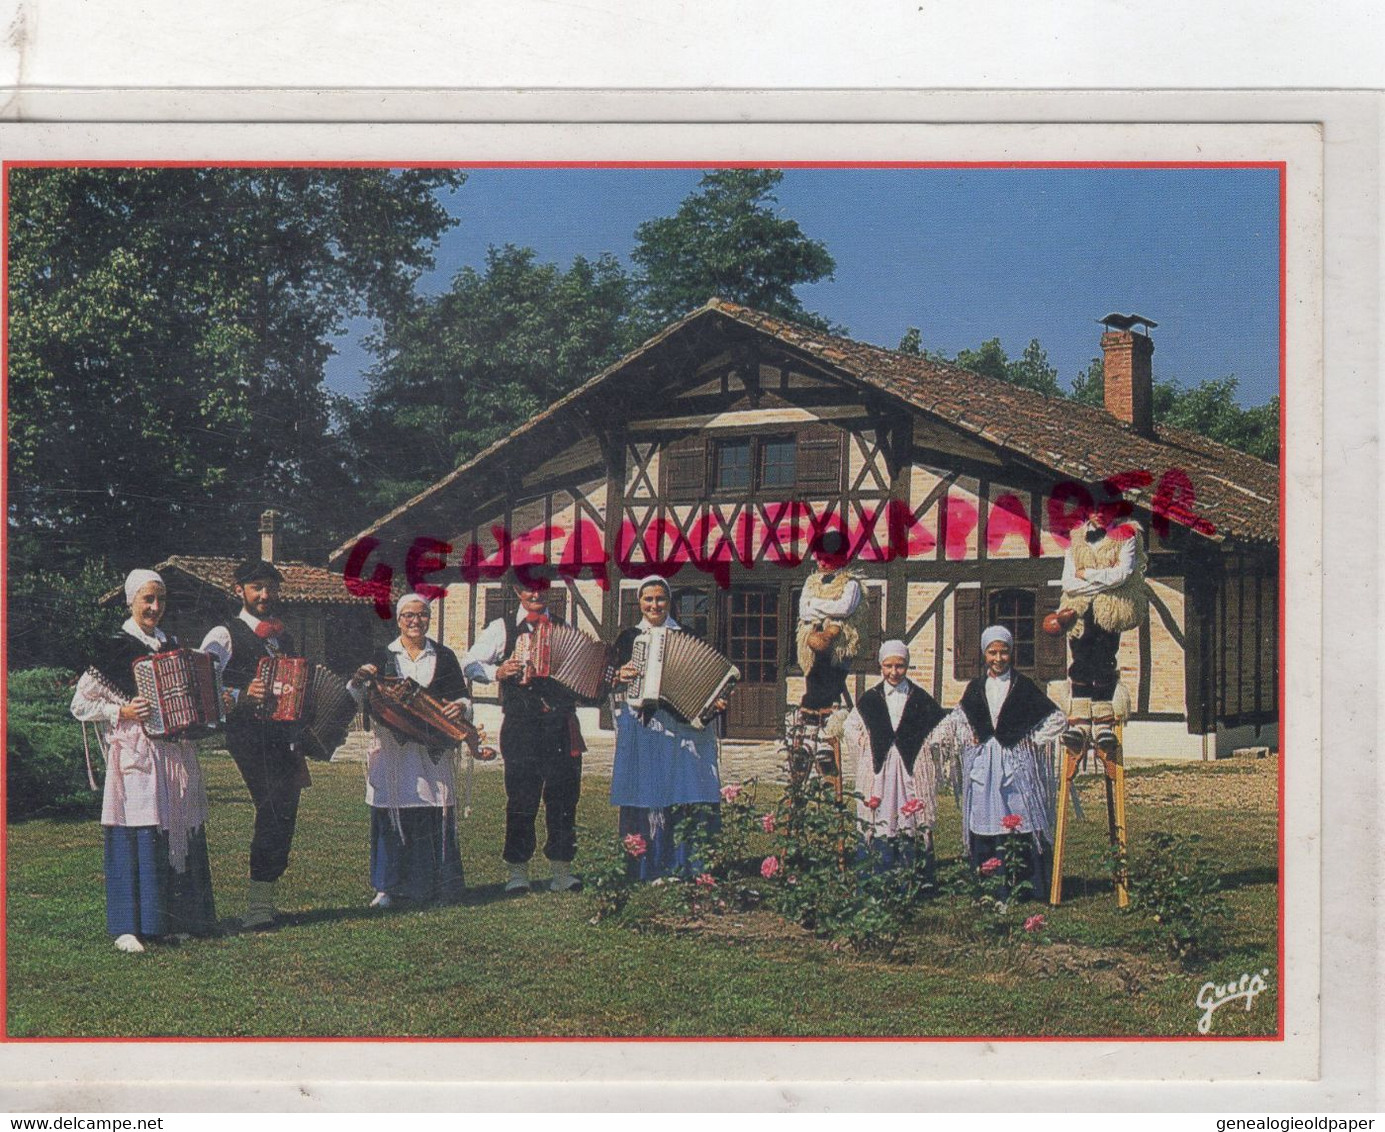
{"x":994,"y":738}
{"x":665,"y":771}
{"x":885,"y":737}
{"x":154,"y":806}
{"x":411,"y":789}
{"x":1103,"y":595}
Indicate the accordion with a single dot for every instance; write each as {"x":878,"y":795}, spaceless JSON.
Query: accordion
{"x":183,"y":687}
{"x":314,"y":697}
{"x":680,"y":672}
{"x":406,"y":708}
{"x":567,"y":656}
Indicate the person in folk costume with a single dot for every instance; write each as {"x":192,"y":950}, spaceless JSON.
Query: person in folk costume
{"x":274,"y":771}
{"x":665,"y":776}
{"x":885,"y":737}
{"x":154,"y":804}
{"x":994,"y":739}
{"x":1104,"y":595}
{"x":830,"y":612}
{"x":411,"y":789}
{"x":540,"y":739}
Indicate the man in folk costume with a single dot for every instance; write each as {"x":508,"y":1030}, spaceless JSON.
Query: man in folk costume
{"x":539,"y":739}
{"x":1103,"y":595}
{"x":885,"y":736}
{"x":994,"y":739}
{"x":831,"y":615}
{"x":274,"y":770}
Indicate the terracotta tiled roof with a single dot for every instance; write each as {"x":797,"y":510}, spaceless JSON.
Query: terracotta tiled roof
{"x":1078,"y":442}
{"x":303,"y":584}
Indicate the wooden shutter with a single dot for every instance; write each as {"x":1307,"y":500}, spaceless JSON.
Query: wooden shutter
{"x":497,"y":604}
{"x":629,"y":608}
{"x":867,"y":660}
{"x":1050,"y":653}
{"x":683,"y":468}
{"x":966,"y":634}
{"x":820,"y":459}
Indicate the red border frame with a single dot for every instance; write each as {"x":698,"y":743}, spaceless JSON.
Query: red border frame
{"x":1281,"y":166}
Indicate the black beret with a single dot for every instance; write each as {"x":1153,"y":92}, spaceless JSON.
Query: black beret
{"x":256,"y":570}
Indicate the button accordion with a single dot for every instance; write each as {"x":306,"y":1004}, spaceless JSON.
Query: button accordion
{"x":567,"y":656}
{"x":183,"y":688}
{"x":681,"y":673}
{"x":406,"y":708}
{"x":314,"y":697}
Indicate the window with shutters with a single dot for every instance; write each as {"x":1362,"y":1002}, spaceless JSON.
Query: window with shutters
{"x":806,"y":463}
{"x":501,"y":602}
{"x":1021,"y":609}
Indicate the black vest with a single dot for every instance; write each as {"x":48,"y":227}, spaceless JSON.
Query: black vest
{"x":121,"y":650}
{"x":448,"y":682}
{"x":921,"y":715}
{"x":246,"y":652}
{"x":539,"y":695}
{"x":1025,"y":707}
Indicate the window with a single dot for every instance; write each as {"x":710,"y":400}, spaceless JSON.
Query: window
{"x":806,"y":463}
{"x":778,"y":462}
{"x":1014,"y":609}
{"x":1020,"y":609}
{"x":733,"y":465}
{"x":692,"y":609}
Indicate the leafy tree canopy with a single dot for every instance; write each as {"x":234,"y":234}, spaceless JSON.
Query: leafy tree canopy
{"x":728,"y":240}
{"x":168,"y":333}
{"x":465,"y":368}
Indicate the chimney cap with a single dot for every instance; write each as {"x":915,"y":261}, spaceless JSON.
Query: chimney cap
{"x":1126,"y":321}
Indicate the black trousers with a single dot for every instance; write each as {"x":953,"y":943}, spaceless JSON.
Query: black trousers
{"x":1094,"y":672}
{"x":540,"y":767}
{"x":823,"y":684}
{"x":275,"y":775}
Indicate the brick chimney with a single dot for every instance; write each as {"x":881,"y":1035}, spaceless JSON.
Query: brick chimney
{"x":1130,"y":378}
{"x":269,"y":524}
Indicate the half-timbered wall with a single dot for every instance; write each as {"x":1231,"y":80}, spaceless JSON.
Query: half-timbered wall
{"x":732,"y":480}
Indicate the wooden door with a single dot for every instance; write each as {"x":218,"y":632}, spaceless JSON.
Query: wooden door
{"x":750,"y":637}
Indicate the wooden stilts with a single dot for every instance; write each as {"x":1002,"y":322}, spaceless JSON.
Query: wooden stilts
{"x":1113,"y":767}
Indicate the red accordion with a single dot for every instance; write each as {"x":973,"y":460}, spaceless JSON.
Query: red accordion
{"x":183,"y":688}
{"x":286,"y":688}
{"x":299,"y":691}
{"x":581,"y":664}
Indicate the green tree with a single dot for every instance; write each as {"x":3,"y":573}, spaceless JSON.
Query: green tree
{"x":1032,"y":371}
{"x":911,"y":343}
{"x":461,"y":370}
{"x":1089,"y":386}
{"x":168,"y":333}
{"x":990,"y":360}
{"x":728,"y":239}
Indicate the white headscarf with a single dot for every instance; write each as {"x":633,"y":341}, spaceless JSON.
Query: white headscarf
{"x":136,"y":580}
{"x":894,"y":648}
{"x":662,"y":583}
{"x":996,"y":633}
{"x":406,"y":600}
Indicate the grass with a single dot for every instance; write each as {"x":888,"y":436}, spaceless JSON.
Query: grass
{"x":536,"y":967}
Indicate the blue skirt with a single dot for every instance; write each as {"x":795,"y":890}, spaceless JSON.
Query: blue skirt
{"x":663,"y":762}
{"x":145,"y":896}
{"x":424,"y":865}
{"x":667,"y":854}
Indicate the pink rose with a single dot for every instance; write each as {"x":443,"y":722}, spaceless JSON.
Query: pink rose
{"x":769,"y":867}
{"x":767,"y":823}
{"x":911,"y":807}
{"x":1011,"y":822}
{"x":731,"y":792}
{"x":635,"y":845}
{"x":873,"y":802}
{"x":706,"y":880}
{"x":994,"y":865}
{"x":1034,"y":924}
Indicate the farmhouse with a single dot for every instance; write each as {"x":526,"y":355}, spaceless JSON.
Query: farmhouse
{"x":717,"y":450}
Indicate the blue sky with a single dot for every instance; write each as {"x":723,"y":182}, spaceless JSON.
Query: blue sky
{"x":963,"y":254}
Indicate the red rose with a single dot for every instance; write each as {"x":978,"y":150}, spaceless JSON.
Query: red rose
{"x":994,"y":865}
{"x":1011,"y":822}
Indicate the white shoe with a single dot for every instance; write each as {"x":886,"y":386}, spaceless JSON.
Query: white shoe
{"x":182,"y":937}
{"x":128,"y":942}
{"x":519,"y":879}
{"x":563,"y":880}
{"x":382,"y":900}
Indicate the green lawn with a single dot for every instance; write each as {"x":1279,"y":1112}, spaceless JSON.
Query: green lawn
{"x":536,"y":966}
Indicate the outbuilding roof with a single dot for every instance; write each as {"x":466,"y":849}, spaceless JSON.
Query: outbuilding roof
{"x":303,"y":584}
